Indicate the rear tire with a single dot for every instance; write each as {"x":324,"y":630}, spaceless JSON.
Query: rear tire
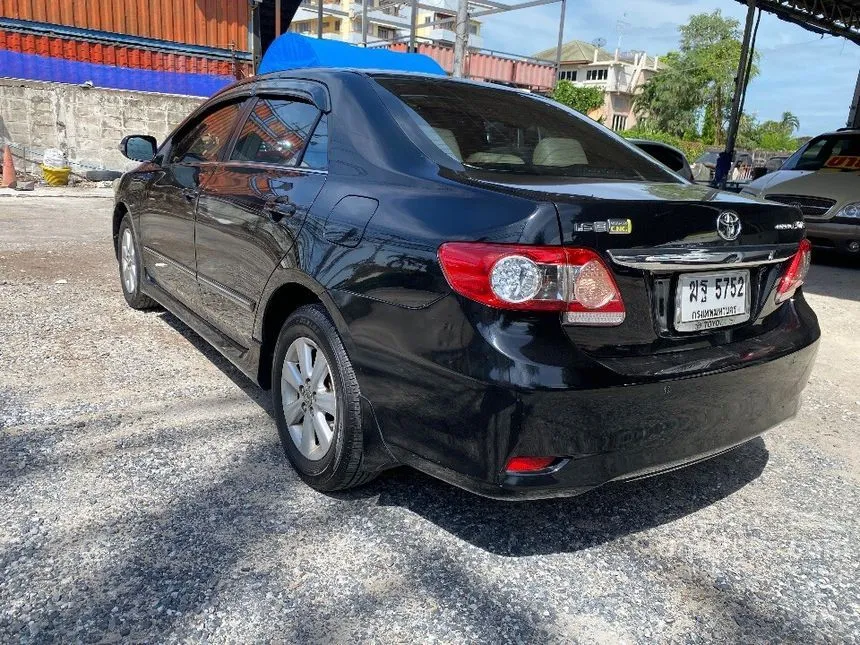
{"x":131,"y":267}
{"x":317,"y":402}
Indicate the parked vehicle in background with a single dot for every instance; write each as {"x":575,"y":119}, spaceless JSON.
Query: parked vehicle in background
{"x":475,"y":281}
{"x":823,"y":179}
{"x":705,"y":166}
{"x":774,"y":163}
{"x":669,"y":156}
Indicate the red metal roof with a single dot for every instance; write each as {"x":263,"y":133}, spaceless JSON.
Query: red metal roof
{"x":523,"y":73}
{"x":121,"y":56}
{"x":213,"y":23}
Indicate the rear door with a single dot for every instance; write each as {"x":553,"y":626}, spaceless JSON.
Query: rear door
{"x":167,"y":222}
{"x":253,"y":205}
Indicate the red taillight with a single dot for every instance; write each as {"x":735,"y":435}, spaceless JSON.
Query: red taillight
{"x":528,"y":464}
{"x":796,"y":272}
{"x":574,"y":281}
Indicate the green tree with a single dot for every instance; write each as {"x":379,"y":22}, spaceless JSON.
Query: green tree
{"x":581,"y":99}
{"x":670,"y":100}
{"x":698,"y":80}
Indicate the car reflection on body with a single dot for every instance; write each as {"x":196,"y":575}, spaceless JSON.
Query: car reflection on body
{"x":470,"y":280}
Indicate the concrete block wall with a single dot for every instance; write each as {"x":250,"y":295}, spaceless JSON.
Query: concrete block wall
{"x":86,"y":123}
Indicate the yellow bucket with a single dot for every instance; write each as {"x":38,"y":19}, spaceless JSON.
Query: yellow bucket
{"x":56,"y":176}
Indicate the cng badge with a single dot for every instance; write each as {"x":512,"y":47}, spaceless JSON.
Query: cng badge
{"x":611,"y":226}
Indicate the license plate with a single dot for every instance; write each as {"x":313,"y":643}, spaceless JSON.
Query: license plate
{"x":711,"y":300}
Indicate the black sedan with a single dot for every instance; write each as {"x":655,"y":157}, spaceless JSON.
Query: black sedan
{"x":467,"y":279}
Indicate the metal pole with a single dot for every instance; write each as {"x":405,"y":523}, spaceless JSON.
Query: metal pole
{"x":461,"y":41}
{"x":413,"y":20}
{"x":560,"y":40}
{"x":278,"y":17}
{"x":854,"y":114}
{"x":364,"y":22}
{"x":724,"y":164}
{"x":319,"y":18}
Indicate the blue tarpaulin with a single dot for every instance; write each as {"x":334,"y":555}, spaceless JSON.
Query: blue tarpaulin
{"x":294,"y":51}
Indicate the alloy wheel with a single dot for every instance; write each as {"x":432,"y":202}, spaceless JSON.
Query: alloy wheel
{"x":128,"y":262}
{"x":308,"y":398}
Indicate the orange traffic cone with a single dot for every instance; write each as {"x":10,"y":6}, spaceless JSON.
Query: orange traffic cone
{"x":9,"y":180}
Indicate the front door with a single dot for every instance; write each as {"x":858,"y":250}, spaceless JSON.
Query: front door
{"x":252,"y":207}
{"x":167,"y":224}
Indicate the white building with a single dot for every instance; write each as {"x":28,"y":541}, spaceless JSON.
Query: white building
{"x":386,"y":21}
{"x":620,"y":75}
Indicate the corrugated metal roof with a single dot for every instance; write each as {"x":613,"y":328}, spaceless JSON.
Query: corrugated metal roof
{"x":578,"y":51}
{"x":121,"y":56}
{"x":524,"y":73}
{"x":214,"y":23}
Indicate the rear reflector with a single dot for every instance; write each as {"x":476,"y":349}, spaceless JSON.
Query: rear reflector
{"x":573,"y":281}
{"x":796,"y":272}
{"x":528,"y":464}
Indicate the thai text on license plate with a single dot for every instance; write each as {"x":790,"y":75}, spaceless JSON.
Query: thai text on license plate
{"x":710,"y":300}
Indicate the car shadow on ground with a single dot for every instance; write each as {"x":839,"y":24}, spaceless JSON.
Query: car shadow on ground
{"x":543,"y":526}
{"x":566,"y":525}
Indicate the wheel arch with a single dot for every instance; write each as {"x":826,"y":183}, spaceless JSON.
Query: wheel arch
{"x":119,"y":213}
{"x":286,"y":292}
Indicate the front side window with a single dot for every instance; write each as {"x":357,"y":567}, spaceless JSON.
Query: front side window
{"x":205,"y":140}
{"x":276,"y":132}
{"x":502,"y":131}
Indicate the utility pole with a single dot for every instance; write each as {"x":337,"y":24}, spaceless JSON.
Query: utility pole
{"x":724,"y":163}
{"x":461,"y":41}
{"x":413,"y":19}
{"x":854,"y":114}
{"x":319,"y":18}
{"x":560,"y":40}
{"x":364,"y":22}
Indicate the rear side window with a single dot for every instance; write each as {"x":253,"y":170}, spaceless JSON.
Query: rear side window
{"x":205,"y":140}
{"x":276,"y":132}
{"x":316,"y":154}
{"x":495,"y":130}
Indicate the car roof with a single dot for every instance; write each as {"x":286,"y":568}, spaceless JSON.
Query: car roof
{"x":323,"y":73}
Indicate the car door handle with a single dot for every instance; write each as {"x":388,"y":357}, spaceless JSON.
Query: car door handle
{"x":277,"y":207}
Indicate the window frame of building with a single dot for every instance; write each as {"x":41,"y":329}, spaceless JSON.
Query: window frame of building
{"x":567,"y":75}
{"x":619,"y":122}
{"x":598,"y":74}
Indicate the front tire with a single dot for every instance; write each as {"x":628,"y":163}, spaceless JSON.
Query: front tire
{"x":317,"y":402}
{"x":131,"y":267}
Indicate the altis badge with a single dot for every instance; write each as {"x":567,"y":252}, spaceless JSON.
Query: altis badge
{"x":611,"y":226}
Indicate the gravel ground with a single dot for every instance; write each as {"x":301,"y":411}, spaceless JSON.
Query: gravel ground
{"x":145,"y":498}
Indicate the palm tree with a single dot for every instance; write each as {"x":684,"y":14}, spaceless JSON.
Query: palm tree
{"x":790,"y":122}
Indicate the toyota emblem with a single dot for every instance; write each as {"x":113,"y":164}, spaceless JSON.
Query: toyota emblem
{"x":729,"y":225}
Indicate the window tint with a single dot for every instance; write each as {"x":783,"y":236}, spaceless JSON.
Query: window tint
{"x":316,"y":154}
{"x":664,"y":155}
{"x":275,"y":132}
{"x":503,"y":131}
{"x":206,"y":139}
{"x":820,"y":151}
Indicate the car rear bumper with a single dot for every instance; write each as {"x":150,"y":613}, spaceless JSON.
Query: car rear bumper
{"x":834,"y":235}
{"x":639,"y":430}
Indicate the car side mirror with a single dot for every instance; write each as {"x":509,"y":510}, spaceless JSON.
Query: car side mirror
{"x":138,"y":147}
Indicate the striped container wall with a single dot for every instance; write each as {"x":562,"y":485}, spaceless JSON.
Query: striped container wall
{"x":119,"y":55}
{"x":523,"y":73}
{"x":211,"y":23}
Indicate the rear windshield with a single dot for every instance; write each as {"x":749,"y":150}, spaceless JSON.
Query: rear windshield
{"x":506,"y":132}
{"x":836,"y":151}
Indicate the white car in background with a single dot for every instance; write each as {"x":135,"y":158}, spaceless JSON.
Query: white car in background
{"x":823,"y":179}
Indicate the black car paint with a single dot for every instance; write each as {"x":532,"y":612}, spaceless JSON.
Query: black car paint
{"x":450,"y":386}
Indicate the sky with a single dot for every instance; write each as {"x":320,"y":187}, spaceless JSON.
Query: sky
{"x":799,"y":71}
